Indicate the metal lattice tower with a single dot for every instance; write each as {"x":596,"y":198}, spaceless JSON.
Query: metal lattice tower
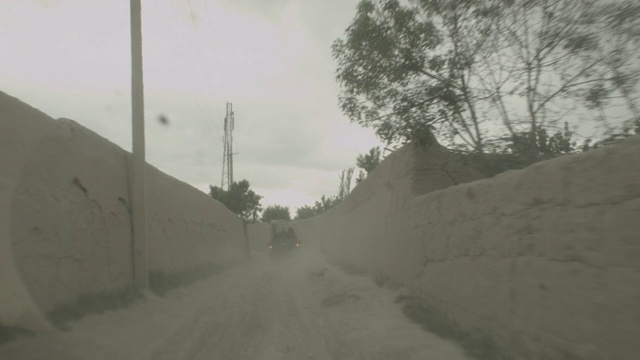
{"x":227,"y":157}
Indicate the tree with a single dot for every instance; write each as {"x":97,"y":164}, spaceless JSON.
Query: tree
{"x":613,"y":137}
{"x":318,"y":208}
{"x":368,"y":162}
{"x":275,"y":212}
{"x":239,"y":198}
{"x":305,"y":212}
{"x":462,"y":69}
{"x":326,"y":203}
{"x":345,"y":183}
{"x":533,"y":146}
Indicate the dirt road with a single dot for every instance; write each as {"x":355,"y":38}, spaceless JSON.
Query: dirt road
{"x":303,"y":308}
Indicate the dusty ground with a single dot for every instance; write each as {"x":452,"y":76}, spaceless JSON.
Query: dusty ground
{"x":298,"y":309}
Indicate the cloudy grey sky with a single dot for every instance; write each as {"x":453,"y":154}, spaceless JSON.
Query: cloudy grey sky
{"x":271,"y":59}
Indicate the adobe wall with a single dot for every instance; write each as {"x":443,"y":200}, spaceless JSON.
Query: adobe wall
{"x":259,"y":236}
{"x":65,"y":228}
{"x":357,"y":231}
{"x":189,"y":229}
{"x":545,"y":260}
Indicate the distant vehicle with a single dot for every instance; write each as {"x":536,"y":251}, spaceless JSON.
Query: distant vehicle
{"x":283,"y":243}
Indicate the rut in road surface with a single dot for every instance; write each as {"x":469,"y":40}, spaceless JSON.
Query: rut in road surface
{"x":298,"y":308}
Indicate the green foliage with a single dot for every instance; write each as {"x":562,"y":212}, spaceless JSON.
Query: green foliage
{"x":318,"y":208}
{"x":459,"y":70}
{"x":369,"y":161}
{"x":305,"y":212}
{"x":326,"y":203}
{"x":239,"y":198}
{"x":378,"y":66}
{"x":613,"y":137}
{"x":275,"y":212}
{"x":532,"y":145}
{"x":525,"y":148}
{"x":345,"y":183}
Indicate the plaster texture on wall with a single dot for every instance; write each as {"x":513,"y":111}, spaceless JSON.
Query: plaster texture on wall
{"x":16,"y":146}
{"x":69,"y":227}
{"x":357,"y":231}
{"x":259,"y":236}
{"x":65,"y":223}
{"x":188,"y":228}
{"x":545,"y":260}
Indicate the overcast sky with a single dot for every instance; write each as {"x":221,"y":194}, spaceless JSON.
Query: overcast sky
{"x":271,"y":59}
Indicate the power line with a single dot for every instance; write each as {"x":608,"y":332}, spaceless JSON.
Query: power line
{"x":206,"y":104}
{"x":227,"y":139}
{"x":193,"y":20}
{"x":182,"y":36}
{"x":173,"y":10}
{"x":202,"y":115}
{"x":194,"y":25}
{"x":219,"y":114}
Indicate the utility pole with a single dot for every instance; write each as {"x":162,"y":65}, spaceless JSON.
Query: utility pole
{"x":137,"y":188}
{"x":227,"y":156}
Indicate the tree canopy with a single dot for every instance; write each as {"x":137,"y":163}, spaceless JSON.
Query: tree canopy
{"x":369,"y":161}
{"x":239,"y":198}
{"x":275,"y":212}
{"x":478,"y":73}
{"x":324,"y":204}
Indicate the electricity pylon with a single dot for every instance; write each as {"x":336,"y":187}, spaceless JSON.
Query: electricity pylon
{"x":227,"y":157}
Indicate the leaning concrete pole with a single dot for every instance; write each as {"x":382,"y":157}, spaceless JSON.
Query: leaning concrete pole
{"x":137,"y":182}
